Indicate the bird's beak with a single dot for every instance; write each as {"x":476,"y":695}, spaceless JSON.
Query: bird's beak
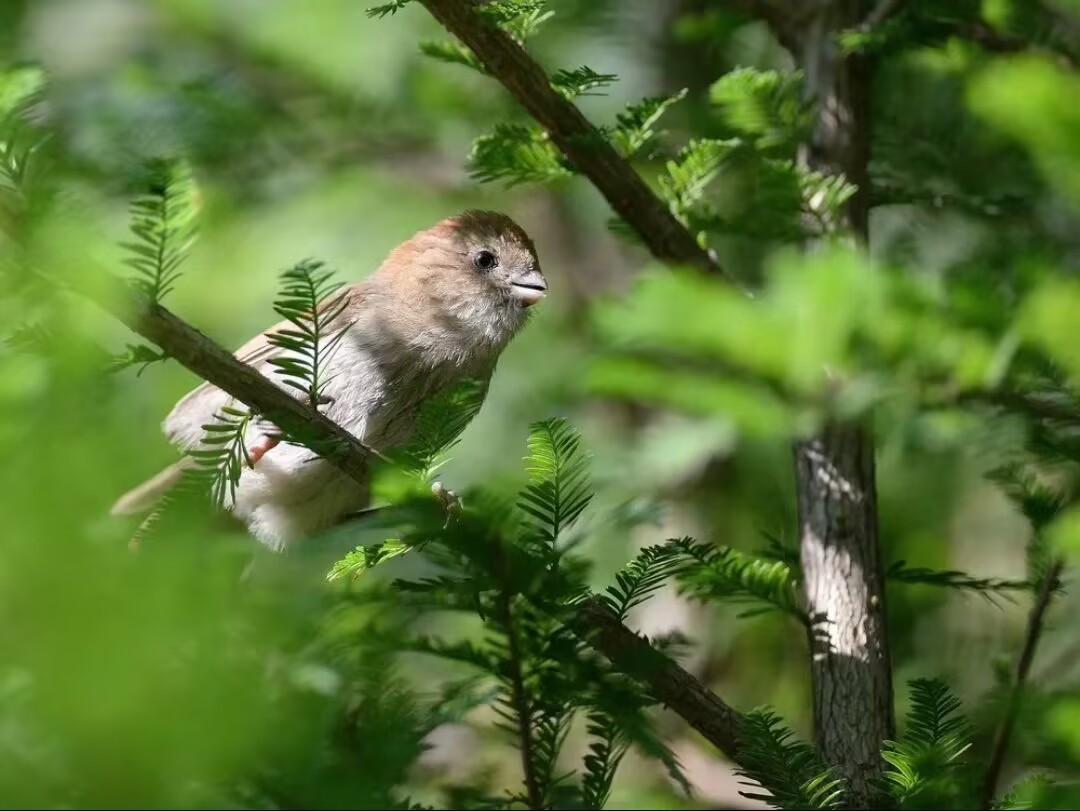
{"x":528,"y":286}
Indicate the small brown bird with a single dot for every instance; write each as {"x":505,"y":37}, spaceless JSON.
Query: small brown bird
{"x":439,"y":310}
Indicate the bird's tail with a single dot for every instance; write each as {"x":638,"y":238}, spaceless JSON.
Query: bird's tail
{"x":143,"y":498}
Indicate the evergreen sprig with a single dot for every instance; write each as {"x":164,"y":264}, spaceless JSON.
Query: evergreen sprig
{"x":139,"y":355}
{"x":222,"y":455}
{"x":986,"y":587}
{"x":521,"y":19}
{"x":642,"y":577}
{"x":516,"y":154}
{"x":559,"y":486}
{"x":923,"y":762}
{"x":764,"y":105}
{"x":163,"y":227}
{"x":579,"y":81}
{"x":365,"y":558}
{"x":442,"y":420}
{"x":386,"y":9}
{"x":452,"y":52}
{"x":635,"y":127}
{"x":721,"y":573}
{"x":314,"y":332}
{"x":790,"y":770}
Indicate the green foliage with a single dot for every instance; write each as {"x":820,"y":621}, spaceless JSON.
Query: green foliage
{"x":559,"y":488}
{"x":451,"y":52}
{"x":721,"y":573}
{"x":163,"y":224}
{"x":690,"y":174}
{"x":315,"y":327}
{"x":519,"y":18}
{"x":925,"y":761}
{"x":139,"y":355}
{"x":508,"y":571}
{"x":21,"y":144}
{"x":989,"y":588}
{"x":439,"y":426}
{"x":364,"y":558}
{"x":790,"y":770}
{"x":388,"y":8}
{"x":1020,"y":98}
{"x":635,"y":126}
{"x":764,"y":105}
{"x":642,"y":577}
{"x":516,"y":154}
{"x":222,"y":455}
{"x":579,"y":81}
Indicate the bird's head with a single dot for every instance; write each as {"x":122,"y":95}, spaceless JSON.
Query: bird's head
{"x":477,"y":272}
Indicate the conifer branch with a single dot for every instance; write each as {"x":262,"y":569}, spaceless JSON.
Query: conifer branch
{"x":594,"y":623}
{"x":669,"y":684}
{"x":503,"y":58}
{"x":1023,"y":667}
{"x":213,"y":363}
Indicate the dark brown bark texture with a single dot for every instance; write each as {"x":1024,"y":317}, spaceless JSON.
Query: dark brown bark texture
{"x":572,"y":133}
{"x":843,"y":572}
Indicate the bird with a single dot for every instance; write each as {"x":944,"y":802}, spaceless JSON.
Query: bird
{"x":438,"y":311}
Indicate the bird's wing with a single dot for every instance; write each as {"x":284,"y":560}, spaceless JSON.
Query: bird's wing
{"x":184,"y":425}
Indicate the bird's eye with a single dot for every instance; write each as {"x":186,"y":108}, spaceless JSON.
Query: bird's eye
{"x":485,"y":260}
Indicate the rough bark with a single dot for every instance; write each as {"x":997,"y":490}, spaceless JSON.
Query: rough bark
{"x":669,"y":684}
{"x":572,"y":133}
{"x":843,"y":575}
{"x":844,"y":589}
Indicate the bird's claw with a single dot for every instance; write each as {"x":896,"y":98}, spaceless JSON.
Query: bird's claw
{"x":449,"y":500}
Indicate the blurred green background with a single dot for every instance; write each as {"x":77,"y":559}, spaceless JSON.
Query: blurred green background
{"x":175,"y":678}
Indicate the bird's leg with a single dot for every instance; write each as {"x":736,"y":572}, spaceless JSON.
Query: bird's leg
{"x":271,"y":435}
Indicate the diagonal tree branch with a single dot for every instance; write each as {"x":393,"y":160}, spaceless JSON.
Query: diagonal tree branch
{"x":670,"y":684}
{"x":1023,"y":667}
{"x":568,"y":128}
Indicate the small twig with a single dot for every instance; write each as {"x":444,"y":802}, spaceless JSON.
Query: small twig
{"x":517,"y":679}
{"x":884,"y":11}
{"x":1023,"y":666}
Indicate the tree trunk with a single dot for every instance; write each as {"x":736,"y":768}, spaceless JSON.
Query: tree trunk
{"x":843,"y":575}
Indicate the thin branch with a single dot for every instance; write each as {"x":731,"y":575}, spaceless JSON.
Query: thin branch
{"x":219,"y":367}
{"x":993,"y":41}
{"x":1023,"y":667}
{"x":518,"y":696}
{"x":669,"y":684}
{"x":672,"y":685}
{"x":569,"y":130}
